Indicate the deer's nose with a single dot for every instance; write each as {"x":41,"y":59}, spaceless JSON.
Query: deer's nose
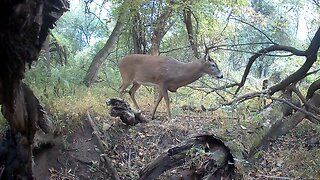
{"x":220,"y":76}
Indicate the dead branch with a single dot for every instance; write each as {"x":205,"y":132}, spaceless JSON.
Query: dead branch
{"x":304,"y":100}
{"x":316,"y":2}
{"x":228,"y":20}
{"x":313,"y":88}
{"x":240,"y":44}
{"x":251,"y":52}
{"x":312,"y":72}
{"x":111,"y":170}
{"x":283,"y":126}
{"x":245,"y":97}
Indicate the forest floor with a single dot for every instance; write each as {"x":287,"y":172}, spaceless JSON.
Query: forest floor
{"x":76,"y":153}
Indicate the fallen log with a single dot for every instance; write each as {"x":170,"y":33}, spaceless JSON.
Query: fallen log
{"x":284,"y":125}
{"x":120,"y":108}
{"x":215,"y":160}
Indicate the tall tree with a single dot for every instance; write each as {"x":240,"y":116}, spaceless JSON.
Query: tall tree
{"x":187,"y":18}
{"x":101,"y":56}
{"x":161,"y":26}
{"x":138,"y":33}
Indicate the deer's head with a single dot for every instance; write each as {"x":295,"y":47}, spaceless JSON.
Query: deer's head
{"x":211,"y":67}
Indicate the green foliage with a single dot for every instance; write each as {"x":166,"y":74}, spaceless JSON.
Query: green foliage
{"x":85,"y":28}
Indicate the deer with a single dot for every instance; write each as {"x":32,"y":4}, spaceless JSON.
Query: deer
{"x":165,"y":72}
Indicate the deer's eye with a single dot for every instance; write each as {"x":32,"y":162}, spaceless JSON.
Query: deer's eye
{"x":213,"y":65}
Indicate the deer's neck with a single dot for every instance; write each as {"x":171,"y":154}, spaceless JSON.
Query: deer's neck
{"x":188,"y":73}
{"x":193,"y":71}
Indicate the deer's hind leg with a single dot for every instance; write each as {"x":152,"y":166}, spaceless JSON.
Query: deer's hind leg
{"x":132,"y":91}
{"x":164,"y":92}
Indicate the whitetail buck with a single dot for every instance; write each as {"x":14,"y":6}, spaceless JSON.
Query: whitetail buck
{"x":164,"y":72}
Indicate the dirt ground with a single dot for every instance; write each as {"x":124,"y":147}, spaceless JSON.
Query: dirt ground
{"x":76,"y":154}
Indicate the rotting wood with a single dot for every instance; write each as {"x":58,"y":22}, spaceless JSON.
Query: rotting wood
{"x":219,"y":164}
{"x":24,"y":28}
{"x":120,"y":108}
{"x":17,"y":144}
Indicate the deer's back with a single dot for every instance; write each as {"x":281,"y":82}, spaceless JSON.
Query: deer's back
{"x":147,"y":68}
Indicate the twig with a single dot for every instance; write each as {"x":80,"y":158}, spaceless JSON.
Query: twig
{"x":274,"y":177}
{"x":174,"y":49}
{"x":251,"y":52}
{"x":228,"y":20}
{"x":240,"y":44}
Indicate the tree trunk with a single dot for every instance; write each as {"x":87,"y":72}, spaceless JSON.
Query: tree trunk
{"x":160,"y":29}
{"x":46,"y":49}
{"x":191,"y":36}
{"x":138,"y":35}
{"x":24,"y":27}
{"x":158,"y":33}
{"x":101,"y":56}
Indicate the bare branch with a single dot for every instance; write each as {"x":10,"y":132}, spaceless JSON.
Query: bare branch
{"x":312,"y":72}
{"x":313,"y":88}
{"x":228,"y":19}
{"x":297,"y":108}
{"x":255,"y":29}
{"x":263,"y":51}
{"x":311,"y":54}
{"x":316,"y":2}
{"x":306,"y":103}
{"x":240,"y":44}
{"x":175,"y":49}
{"x":250,"y":52}
{"x":245,"y":97}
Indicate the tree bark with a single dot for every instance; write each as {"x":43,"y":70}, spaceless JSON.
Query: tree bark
{"x":187,"y":17}
{"x":101,"y":56}
{"x":160,"y":30}
{"x":46,"y":48}
{"x":138,"y":35}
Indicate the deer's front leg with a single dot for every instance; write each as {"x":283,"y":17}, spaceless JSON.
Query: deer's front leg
{"x":157,"y":104}
{"x":132,"y":92}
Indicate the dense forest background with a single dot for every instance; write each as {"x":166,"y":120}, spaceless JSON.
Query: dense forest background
{"x":236,"y":29}
{"x":77,"y":69}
